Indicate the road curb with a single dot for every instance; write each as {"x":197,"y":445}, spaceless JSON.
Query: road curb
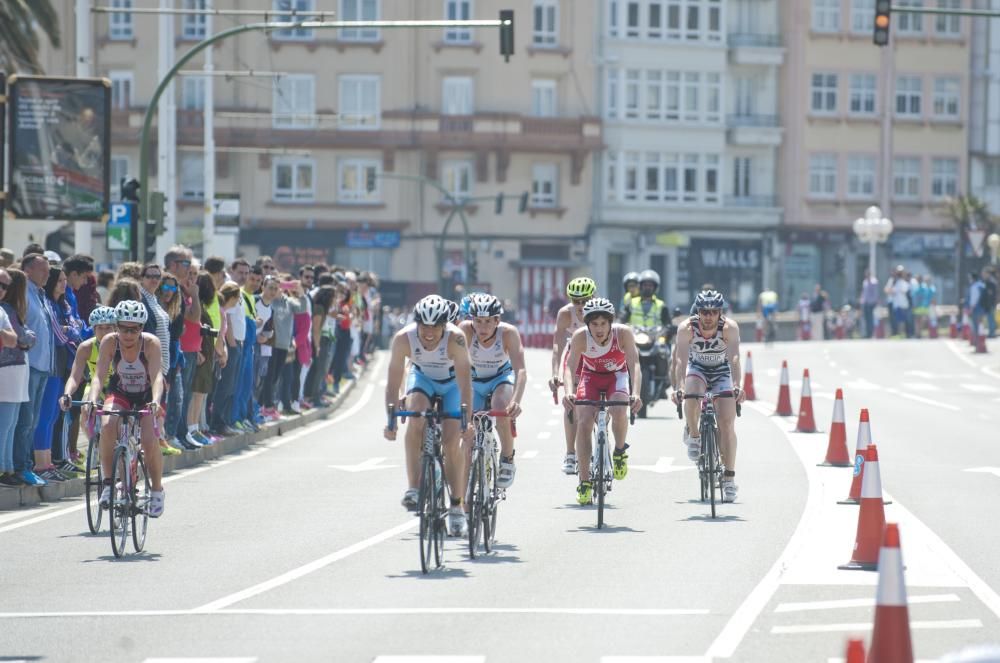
{"x":27,"y":496}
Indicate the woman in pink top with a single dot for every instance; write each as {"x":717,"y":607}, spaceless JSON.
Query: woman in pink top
{"x":302,"y":322}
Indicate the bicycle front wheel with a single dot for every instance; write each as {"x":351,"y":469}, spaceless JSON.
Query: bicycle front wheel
{"x":425,"y":511}
{"x":94,"y":484}
{"x":440,"y":514}
{"x":711,"y":455}
{"x":141,"y":490}
{"x":119,"y":511}
{"x":492,"y":503}
{"x":477,"y":500}
{"x":598,"y":476}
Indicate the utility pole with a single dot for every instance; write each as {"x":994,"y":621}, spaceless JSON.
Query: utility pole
{"x":166,"y":147}
{"x":83,"y":230}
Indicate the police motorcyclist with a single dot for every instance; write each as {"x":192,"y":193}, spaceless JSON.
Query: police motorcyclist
{"x":647,"y":310}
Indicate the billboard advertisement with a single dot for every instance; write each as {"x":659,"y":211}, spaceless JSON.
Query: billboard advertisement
{"x":60,"y":137}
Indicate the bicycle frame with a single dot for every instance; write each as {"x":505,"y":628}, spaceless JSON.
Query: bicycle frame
{"x":482,"y":494}
{"x":601,"y":475}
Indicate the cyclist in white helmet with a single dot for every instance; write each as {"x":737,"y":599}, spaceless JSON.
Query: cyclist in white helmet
{"x":439,"y":366}
{"x":570,"y":318}
{"x":136,"y":383}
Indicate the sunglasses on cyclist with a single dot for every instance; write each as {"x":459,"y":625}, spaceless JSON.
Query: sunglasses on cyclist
{"x":709,"y":311}
{"x":129,"y":329}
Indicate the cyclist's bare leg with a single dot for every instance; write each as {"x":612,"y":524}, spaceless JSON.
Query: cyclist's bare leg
{"x":569,"y":418}
{"x":414,"y":439}
{"x":619,"y":419}
{"x":501,"y":399}
{"x":151,"y":452}
{"x":725,"y":409}
{"x":455,"y":467}
{"x":584,"y":415}
{"x":693,"y":385}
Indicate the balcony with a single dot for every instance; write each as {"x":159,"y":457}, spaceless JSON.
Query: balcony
{"x":751,"y":201}
{"x":751,"y":129}
{"x":755,"y":49}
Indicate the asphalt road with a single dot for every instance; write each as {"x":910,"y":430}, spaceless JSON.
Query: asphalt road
{"x":298,"y":550}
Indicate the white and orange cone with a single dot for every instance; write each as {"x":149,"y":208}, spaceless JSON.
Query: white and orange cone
{"x":836,"y":449}
{"x":891,"y":641}
{"x":981,"y":339}
{"x":953,"y":327}
{"x":784,"y":408}
{"x":748,"y":380}
{"x":807,"y":422}
{"x":861,"y":450}
{"x":871,"y":518}
{"x":855,"y":651}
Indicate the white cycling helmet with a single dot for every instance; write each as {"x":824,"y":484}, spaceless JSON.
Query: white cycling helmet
{"x":102,"y":315}
{"x":484,"y":305}
{"x":709,"y":299}
{"x":598,"y":306}
{"x":432,"y":310}
{"x":131,"y":311}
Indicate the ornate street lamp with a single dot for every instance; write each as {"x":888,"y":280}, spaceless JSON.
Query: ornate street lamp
{"x":874,"y":229}
{"x":993,"y":241}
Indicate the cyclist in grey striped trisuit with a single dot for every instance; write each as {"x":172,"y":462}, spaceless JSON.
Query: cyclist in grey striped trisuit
{"x":708,"y":358}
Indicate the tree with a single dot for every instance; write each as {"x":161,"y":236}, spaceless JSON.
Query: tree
{"x":20,"y":23}
{"x":967,"y":213}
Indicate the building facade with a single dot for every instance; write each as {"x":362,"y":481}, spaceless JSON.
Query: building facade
{"x":984,"y":115}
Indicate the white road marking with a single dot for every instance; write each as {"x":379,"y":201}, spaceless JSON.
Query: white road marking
{"x":920,"y":399}
{"x":201,"y":660}
{"x":552,"y":422}
{"x":306,"y":569}
{"x":429,"y":659}
{"x":867,"y":626}
{"x":979,"y":388}
{"x":832,"y":363}
{"x":861,"y":603}
{"x":368,"y":612}
{"x":921,"y":374}
{"x":664,"y":465}
{"x":527,"y":455}
{"x":26,"y":513}
{"x":843,"y":372}
{"x":920,"y":386}
{"x":544,"y":435}
{"x":365,"y":466}
{"x":990,"y":470}
{"x":655,"y":659}
{"x":863,"y":385}
{"x":382,"y":383}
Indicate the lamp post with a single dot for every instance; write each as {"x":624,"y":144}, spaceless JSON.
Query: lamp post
{"x":993,"y":241}
{"x":872,"y":228}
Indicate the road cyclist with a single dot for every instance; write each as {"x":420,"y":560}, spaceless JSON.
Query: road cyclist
{"x":708,"y":361}
{"x":439,"y":367}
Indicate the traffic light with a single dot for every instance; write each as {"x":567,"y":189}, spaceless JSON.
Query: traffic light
{"x":473,"y":270}
{"x":883,"y":9}
{"x":522,"y":204}
{"x":498,"y":206}
{"x":370,"y":180}
{"x":507,"y":34}
{"x":157,"y":212}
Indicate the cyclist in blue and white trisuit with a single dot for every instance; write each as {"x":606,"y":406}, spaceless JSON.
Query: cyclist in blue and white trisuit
{"x":439,"y":366}
{"x":498,"y":371}
{"x":708,"y":356}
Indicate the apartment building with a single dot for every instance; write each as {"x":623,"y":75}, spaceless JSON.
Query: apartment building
{"x":835,"y":89}
{"x":984,"y":114}
{"x":687,"y":182}
{"x":341,"y":149}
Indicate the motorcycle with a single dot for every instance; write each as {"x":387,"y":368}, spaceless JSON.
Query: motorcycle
{"x":654,"y":346}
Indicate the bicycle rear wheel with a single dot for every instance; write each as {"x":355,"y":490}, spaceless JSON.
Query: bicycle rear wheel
{"x":476,"y":501}
{"x":708,"y":444}
{"x":120,"y":508}
{"x":492,"y":503}
{"x":425,"y":511}
{"x":94,"y":484}
{"x":141,"y":490}
{"x":598,"y":479}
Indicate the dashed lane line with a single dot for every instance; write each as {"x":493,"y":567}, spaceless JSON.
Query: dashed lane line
{"x":861,"y":603}
{"x":544,"y":435}
{"x":429,"y":659}
{"x":528,"y":455}
{"x":944,"y":624}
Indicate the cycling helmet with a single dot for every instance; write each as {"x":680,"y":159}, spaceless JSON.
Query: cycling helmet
{"x":598,"y":306}
{"x":581,"y":287}
{"x":650,"y":276}
{"x":709,"y":299}
{"x":132,"y":311}
{"x":631,"y":277}
{"x":432,"y":310}
{"x":102,"y":315}
{"x":454,"y":311}
{"x":485,"y":306}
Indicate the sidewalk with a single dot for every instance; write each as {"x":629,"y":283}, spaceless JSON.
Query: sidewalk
{"x":24,"y":496}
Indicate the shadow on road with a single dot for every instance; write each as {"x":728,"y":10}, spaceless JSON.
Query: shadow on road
{"x":497,"y":556}
{"x":444,"y":573}
{"x":607,"y":529}
{"x":707,"y":517}
{"x":128,"y":559}
{"x":85,"y":534}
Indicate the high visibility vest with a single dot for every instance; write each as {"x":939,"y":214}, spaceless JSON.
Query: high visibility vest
{"x":638,"y":318}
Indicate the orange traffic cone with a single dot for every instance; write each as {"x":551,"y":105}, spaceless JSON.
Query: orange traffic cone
{"x":880,"y":328}
{"x":807,"y":422}
{"x":855,"y":651}
{"x":748,"y":380}
{"x":861,"y":450}
{"x":784,"y":408}
{"x":953,"y":327}
{"x":759,"y":332}
{"x":891,"y":642}
{"x":871,"y":518}
{"x":836,"y":450}
{"x":981,"y":339}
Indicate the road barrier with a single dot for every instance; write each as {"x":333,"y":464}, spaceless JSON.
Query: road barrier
{"x":836,"y":448}
{"x":891,"y":641}
{"x":871,"y":518}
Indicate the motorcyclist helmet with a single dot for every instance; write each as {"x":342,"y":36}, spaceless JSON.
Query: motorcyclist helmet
{"x":631,"y":277}
{"x":649,"y":282}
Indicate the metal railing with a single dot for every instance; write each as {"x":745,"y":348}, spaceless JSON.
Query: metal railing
{"x":750,"y":201}
{"x":737,"y":39}
{"x":751,"y":120}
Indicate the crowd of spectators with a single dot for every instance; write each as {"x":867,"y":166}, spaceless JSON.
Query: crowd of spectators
{"x":241,"y":344}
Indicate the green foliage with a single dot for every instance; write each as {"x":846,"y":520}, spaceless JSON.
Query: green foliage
{"x":21,"y":21}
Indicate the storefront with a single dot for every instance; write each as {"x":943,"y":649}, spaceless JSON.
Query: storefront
{"x":734,"y":267}
{"x":361,"y":248}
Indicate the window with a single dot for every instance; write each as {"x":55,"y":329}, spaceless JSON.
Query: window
{"x":713,"y":98}
{"x":294,"y":34}
{"x":458,"y":10}
{"x":192,"y":93}
{"x":909,"y":91}
{"x":544,"y":185}
{"x":911,"y":24}
{"x":545,"y":23}
{"x":192,"y":167}
{"x":654,"y":95}
{"x":358,"y":181}
{"x":659,"y":96}
{"x":658,"y":177}
{"x":543,"y":98}
{"x":906,"y":178}
{"x":826,"y":15}
{"x":121,"y":89}
{"x":631,"y":95}
{"x":743,"y":103}
{"x":741,"y":177}
{"x":944,"y":178}
{"x":294,"y":102}
{"x":611,"y":182}
{"x":862,"y":16}
{"x":860,"y":176}
{"x":611,"y":98}
{"x":948,"y":26}
{"x":120,"y":25}
{"x":119,"y":170}
{"x":456,"y":95}
{"x":456,"y":176}
{"x":946,"y":92}
{"x":293,"y":180}
{"x":359,"y":10}
{"x":863,"y":93}
{"x":666,"y":20}
{"x":823,"y":175}
{"x":991,"y":173}
{"x":194,"y":26}
{"x":359,"y":102}
{"x":824,"y":94}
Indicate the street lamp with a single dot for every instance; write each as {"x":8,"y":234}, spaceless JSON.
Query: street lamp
{"x":872,"y":228}
{"x":993,"y":241}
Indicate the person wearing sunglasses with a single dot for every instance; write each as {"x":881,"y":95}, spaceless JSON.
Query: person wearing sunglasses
{"x":708,"y":358}
{"x":136,"y":383}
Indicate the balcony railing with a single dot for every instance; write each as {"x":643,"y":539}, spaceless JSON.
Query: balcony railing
{"x":456,"y":123}
{"x":750,"y":201}
{"x":752,"y":120}
{"x":738,"y":39}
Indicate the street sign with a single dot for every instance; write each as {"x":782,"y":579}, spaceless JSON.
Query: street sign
{"x":119,"y":234}
{"x":976,"y":238}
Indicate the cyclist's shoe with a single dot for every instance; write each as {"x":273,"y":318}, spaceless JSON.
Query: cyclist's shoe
{"x":620,"y":461}
{"x":105,"y":499}
{"x":155,"y":508}
{"x":505,"y":477}
{"x":729,"y":490}
{"x":694,"y":448}
{"x":410,"y":498}
{"x":585,"y":493}
{"x":570,"y":465}
{"x":456,"y":521}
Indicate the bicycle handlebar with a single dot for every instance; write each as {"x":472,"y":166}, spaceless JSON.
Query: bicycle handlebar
{"x":462,"y":415}
{"x":120,"y":413}
{"x":603,"y":404}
